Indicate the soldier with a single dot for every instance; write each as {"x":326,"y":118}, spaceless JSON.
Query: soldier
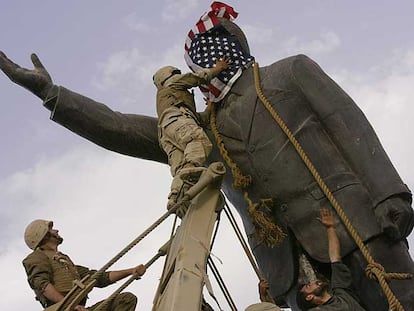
{"x":316,"y":295}
{"x":179,"y":125}
{"x":51,"y":273}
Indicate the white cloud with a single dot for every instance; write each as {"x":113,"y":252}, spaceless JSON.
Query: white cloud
{"x":327,"y":42}
{"x":123,"y":68}
{"x":178,"y":9}
{"x":136,"y":23}
{"x":270,"y":44}
{"x":259,"y":34}
{"x":130,"y":72}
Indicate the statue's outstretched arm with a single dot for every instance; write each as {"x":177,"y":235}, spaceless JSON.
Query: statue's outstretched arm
{"x":37,"y":80}
{"x":130,"y":134}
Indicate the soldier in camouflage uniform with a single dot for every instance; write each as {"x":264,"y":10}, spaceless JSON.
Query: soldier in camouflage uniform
{"x":51,"y":273}
{"x":179,"y":125}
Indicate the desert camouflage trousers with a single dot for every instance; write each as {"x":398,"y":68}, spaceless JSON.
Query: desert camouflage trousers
{"x":184,"y":141}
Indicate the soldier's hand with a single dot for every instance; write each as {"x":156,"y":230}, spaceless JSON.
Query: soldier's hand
{"x":80,"y":308}
{"x":263,"y":287}
{"x":264,"y":290}
{"x":139,"y":270}
{"x":327,"y":218}
{"x":37,"y":80}
{"x":223,"y":63}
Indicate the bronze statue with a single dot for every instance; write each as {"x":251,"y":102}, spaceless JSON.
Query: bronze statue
{"x":331,"y":129}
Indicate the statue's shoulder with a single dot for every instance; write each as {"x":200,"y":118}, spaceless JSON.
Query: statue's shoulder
{"x":293,"y":68}
{"x":294,"y":60}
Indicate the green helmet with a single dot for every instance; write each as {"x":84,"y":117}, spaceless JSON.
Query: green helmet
{"x":163,"y":74}
{"x":36,"y":231}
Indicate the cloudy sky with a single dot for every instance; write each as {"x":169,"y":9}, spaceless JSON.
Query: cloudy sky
{"x":108,"y":51}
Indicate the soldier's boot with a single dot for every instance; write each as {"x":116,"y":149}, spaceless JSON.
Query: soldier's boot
{"x":181,"y":183}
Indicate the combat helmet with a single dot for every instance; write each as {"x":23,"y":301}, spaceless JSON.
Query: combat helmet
{"x":163,"y":74}
{"x":36,"y":231}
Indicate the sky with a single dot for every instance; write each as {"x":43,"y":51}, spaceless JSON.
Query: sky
{"x":108,"y":51}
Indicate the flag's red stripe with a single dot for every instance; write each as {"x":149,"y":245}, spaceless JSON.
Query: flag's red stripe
{"x":216,"y":92}
{"x":200,"y":26}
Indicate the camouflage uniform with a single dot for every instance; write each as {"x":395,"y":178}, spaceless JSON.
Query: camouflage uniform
{"x":45,"y":267}
{"x":179,"y":125}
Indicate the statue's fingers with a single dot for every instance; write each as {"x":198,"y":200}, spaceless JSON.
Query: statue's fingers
{"x":405,"y":223}
{"x":7,"y":65}
{"x":36,"y":62}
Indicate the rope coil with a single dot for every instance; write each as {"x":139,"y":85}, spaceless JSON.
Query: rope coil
{"x":266,"y":230}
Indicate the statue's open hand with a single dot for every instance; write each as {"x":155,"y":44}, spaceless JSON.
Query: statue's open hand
{"x":37,"y":80}
{"x":396,"y":217}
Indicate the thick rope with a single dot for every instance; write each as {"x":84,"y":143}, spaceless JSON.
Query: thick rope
{"x":266,"y":230}
{"x":240,"y":181}
{"x":221,"y":284}
{"x":374,"y":270}
{"x":136,"y":240}
{"x":104,"y":305}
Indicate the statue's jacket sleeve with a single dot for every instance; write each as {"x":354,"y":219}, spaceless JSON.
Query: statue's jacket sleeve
{"x":130,"y":134}
{"x":337,"y":138}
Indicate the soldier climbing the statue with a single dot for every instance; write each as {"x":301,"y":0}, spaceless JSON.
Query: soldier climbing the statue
{"x":179,"y":125}
{"x":51,"y":274}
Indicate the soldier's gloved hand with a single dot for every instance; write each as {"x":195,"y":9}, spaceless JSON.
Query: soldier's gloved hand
{"x":139,"y":270}
{"x":182,"y":209}
{"x":396,"y":217}
{"x":37,"y":80}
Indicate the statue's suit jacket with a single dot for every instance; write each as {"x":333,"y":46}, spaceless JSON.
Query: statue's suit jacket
{"x":332,"y":130}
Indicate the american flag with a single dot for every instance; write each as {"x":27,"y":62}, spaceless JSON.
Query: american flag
{"x":209,"y":41}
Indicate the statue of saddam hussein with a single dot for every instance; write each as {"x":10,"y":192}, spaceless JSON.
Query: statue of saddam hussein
{"x":326,"y":122}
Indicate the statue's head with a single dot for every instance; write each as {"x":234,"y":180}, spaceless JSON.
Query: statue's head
{"x":213,"y":37}
{"x":235,"y":31}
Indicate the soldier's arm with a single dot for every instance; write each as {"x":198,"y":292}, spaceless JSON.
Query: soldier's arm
{"x":51,"y":293}
{"x":193,"y":79}
{"x":120,"y":274}
{"x":38,"y":270}
{"x":334,"y":245}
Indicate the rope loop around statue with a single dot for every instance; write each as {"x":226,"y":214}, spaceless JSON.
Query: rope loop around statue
{"x":266,"y":231}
